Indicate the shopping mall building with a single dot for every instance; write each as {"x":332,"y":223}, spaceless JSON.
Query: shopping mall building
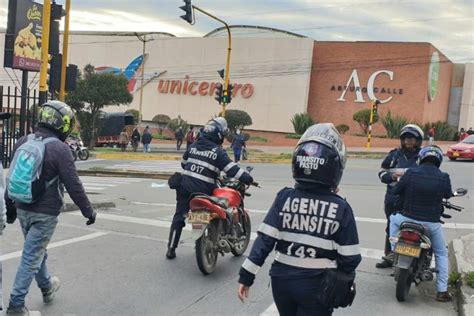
{"x":278,"y":73}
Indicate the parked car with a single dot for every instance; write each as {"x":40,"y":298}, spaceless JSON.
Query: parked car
{"x":462,"y":150}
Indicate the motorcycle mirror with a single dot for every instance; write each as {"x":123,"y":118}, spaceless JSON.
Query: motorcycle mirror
{"x":460,"y":192}
{"x":249,"y":168}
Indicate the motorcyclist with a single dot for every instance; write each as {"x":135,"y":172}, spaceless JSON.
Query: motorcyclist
{"x":202,"y":162}
{"x":393,"y":167}
{"x":421,"y":190}
{"x":312,"y":229}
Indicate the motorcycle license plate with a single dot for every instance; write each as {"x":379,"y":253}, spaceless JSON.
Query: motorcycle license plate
{"x":455,"y":154}
{"x":199,"y":217}
{"x":407,"y":250}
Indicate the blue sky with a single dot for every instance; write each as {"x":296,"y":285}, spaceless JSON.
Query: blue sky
{"x":447,"y":24}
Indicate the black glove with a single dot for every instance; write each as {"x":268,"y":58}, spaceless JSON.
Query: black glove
{"x":11,"y":214}
{"x":91,"y":218}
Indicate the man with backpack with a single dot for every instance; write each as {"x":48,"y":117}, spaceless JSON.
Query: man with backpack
{"x":41,"y":167}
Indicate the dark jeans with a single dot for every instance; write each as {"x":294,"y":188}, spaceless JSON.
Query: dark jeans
{"x":390,"y":208}
{"x":299,"y":297}
{"x":179,"y":142}
{"x":182,"y":208}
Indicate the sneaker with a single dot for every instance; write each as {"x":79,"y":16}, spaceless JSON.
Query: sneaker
{"x":48,"y":294}
{"x":17,"y":310}
{"x":171,"y":253}
{"x":444,"y":297}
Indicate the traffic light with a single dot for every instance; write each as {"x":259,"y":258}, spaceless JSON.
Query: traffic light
{"x":71,"y":77}
{"x":57,"y":14}
{"x":188,"y":8}
{"x":219,"y":93}
{"x":375,"y":107}
{"x":228,"y":96}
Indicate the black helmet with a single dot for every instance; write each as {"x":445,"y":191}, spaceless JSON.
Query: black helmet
{"x":431,"y":154}
{"x":58,"y":117}
{"x":412,"y":130}
{"x":215,"y":130}
{"x":319,"y":156}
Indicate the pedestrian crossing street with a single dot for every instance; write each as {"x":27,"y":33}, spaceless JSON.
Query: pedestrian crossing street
{"x":148,"y":166}
{"x":95,"y":184}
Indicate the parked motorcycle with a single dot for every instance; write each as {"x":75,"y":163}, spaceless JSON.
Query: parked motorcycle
{"x":413,"y":253}
{"x":220,"y":223}
{"x":77,"y":148}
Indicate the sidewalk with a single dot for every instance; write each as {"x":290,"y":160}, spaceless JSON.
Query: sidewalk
{"x":461,"y":258}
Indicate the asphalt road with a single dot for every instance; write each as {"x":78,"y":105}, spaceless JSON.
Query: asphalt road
{"x":117,"y":266}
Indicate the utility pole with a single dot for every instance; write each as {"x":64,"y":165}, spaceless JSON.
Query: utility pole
{"x":143,"y":40}
{"x":189,"y":17}
{"x":373,"y":114}
{"x":43,"y":86}
{"x":62,"y":90}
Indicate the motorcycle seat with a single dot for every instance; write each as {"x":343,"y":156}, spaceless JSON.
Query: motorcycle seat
{"x":413,"y":226}
{"x":222,"y":202}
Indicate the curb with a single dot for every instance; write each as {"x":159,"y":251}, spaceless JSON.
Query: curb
{"x":69,"y":207}
{"x":460,"y":263}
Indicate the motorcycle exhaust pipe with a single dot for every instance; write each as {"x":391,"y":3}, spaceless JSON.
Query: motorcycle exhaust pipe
{"x":223,"y":245}
{"x":426,"y":276}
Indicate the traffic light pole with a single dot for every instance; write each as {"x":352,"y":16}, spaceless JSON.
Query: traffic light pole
{"x":229,"y":49}
{"x":62,"y":90}
{"x":43,"y":86}
{"x":373,"y":112}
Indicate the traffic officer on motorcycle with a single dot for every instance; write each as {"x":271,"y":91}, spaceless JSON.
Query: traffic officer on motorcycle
{"x":393,"y":167}
{"x":313,"y":228}
{"x":422,"y":190}
{"x":202,"y":162}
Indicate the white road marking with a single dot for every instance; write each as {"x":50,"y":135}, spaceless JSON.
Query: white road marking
{"x":88,"y":160}
{"x":61,"y":243}
{"x":149,"y":166}
{"x":102,"y":183}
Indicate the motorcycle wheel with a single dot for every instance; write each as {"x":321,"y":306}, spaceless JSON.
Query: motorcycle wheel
{"x":403,"y":283}
{"x":206,"y":252}
{"x":74,"y":154}
{"x":239,"y":248}
{"x":83,"y":154}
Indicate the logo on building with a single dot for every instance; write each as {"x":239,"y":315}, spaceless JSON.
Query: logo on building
{"x":373,"y":92}
{"x":433,"y":75}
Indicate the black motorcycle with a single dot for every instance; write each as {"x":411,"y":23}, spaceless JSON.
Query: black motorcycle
{"x":413,"y":252}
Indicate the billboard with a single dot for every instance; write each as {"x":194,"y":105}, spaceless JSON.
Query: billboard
{"x":23,"y":36}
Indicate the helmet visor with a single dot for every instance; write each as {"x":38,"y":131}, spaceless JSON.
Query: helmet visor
{"x":326,"y":134}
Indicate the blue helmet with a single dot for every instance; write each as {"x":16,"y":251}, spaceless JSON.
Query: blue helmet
{"x":215,"y":130}
{"x":432,"y":154}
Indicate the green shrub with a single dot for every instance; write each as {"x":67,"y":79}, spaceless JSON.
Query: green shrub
{"x":237,"y":119}
{"x":442,"y":130}
{"x":258,"y":139}
{"x":175,"y":123}
{"x":301,"y":122}
{"x":294,"y":136}
{"x":161,"y":136}
{"x":363,"y":118}
{"x":393,"y":124}
{"x":162,"y":120}
{"x":470,"y":279}
{"x":342,"y":128}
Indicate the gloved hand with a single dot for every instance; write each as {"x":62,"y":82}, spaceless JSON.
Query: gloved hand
{"x":92,"y":218}
{"x":11,"y":214}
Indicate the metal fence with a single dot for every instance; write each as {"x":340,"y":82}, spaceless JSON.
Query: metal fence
{"x":22,"y":121}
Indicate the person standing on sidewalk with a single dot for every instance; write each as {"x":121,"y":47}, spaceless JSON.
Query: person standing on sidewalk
{"x":123,"y":139}
{"x":393,"y":167}
{"x":190,"y":137}
{"x":135,"y":139}
{"x":237,"y":144}
{"x":146,"y":140}
{"x":38,"y":220}
{"x":431,"y":135}
{"x":179,"y":135}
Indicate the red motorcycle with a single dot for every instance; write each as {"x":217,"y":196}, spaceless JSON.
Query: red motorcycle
{"x":220,"y":223}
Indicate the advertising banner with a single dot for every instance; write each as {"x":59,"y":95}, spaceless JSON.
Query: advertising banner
{"x":23,"y":36}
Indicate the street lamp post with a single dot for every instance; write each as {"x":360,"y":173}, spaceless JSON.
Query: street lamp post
{"x":144,"y":41}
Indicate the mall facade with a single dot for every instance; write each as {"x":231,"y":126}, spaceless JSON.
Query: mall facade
{"x":278,"y":74}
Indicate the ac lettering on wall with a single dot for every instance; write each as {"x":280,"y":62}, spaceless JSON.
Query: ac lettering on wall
{"x":353,"y":85}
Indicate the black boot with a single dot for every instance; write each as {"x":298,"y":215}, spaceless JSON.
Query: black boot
{"x":173,"y":240}
{"x":387,"y":261}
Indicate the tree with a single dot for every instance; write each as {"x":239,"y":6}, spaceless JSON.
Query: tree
{"x":94,"y":92}
{"x":177,"y":122}
{"x":162,"y":120}
{"x":363,"y":118}
{"x":135,"y":114}
{"x":237,"y":119}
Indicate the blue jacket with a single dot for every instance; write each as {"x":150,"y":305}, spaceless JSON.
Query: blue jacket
{"x":203,"y":162}
{"x":422,"y":189}
{"x":238,"y":142}
{"x":311,"y":230}
{"x":397,"y":158}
